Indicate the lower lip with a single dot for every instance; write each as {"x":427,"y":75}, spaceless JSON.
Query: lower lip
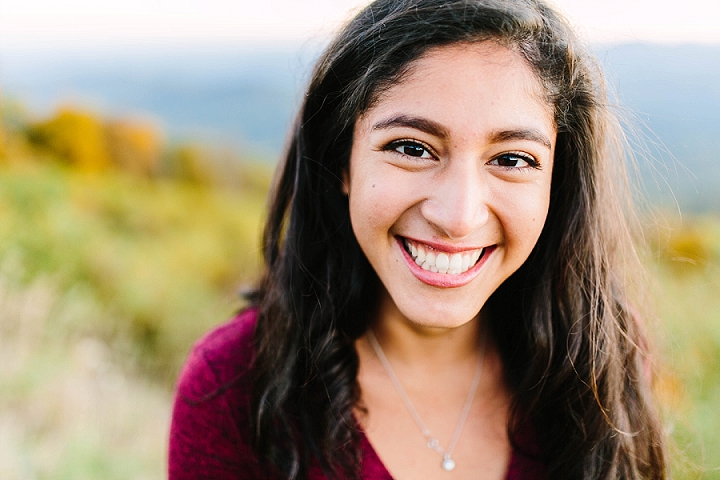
{"x":443,"y":279}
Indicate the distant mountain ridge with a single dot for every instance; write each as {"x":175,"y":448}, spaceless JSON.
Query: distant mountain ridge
{"x":247,"y":97}
{"x":675,"y":91}
{"x":244,"y":97}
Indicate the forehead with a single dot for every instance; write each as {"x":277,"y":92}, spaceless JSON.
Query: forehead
{"x":469,"y":80}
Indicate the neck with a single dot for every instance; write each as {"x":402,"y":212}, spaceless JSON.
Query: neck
{"x":425,"y":348}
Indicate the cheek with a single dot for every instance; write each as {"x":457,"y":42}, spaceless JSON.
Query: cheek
{"x":378,"y":196}
{"x":366,"y":199}
{"x":523,"y":218}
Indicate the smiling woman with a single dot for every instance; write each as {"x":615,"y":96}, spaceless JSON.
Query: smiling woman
{"x":448,"y":194}
{"x":446,"y":263}
{"x":464,"y":171}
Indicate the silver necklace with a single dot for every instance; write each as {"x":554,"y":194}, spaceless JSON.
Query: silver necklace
{"x":448,"y":464}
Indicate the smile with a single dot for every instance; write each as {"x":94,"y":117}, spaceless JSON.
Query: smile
{"x":437,"y":261}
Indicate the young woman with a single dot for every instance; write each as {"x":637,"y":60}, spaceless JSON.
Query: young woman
{"x":447,"y":270}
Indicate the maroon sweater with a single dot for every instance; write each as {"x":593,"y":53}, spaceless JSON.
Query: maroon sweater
{"x":210,"y":432}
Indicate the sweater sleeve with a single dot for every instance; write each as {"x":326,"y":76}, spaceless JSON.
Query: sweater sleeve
{"x":209,"y":433}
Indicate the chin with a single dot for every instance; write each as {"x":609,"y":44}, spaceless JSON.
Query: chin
{"x":442,"y":317}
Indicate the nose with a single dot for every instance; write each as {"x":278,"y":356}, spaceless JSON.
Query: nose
{"x":457,"y":203}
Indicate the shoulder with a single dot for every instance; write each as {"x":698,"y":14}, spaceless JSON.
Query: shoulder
{"x":210,"y":428}
{"x":222,"y":356}
{"x":526,"y":462}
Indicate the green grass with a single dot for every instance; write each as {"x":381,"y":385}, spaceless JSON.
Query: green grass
{"x":690,"y":310}
{"x":107,"y":279}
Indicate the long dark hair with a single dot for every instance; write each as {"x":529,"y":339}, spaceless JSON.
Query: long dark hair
{"x":572,"y":347}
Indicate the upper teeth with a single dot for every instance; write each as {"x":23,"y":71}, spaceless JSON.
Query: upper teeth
{"x":441,"y":262}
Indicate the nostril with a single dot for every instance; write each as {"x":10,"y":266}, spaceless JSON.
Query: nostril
{"x":455,"y":221}
{"x":458,"y":203}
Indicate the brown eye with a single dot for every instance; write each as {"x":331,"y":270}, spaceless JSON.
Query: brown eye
{"x":514,"y":160}
{"x":410,"y":148}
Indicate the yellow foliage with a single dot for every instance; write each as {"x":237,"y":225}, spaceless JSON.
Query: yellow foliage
{"x":687,"y":245}
{"x":690,"y":246}
{"x":135,"y":147}
{"x":3,"y":141}
{"x":76,"y":137}
{"x":86,"y":142}
{"x":189,"y":163}
{"x":670,"y":390}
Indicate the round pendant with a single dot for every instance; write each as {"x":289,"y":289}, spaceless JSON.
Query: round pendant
{"x":448,"y":464}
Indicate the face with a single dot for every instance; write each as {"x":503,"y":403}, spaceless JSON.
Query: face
{"x":449,"y":181}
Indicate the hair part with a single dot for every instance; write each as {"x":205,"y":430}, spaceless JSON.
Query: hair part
{"x":571,"y":344}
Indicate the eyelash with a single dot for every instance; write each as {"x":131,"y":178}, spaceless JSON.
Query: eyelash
{"x":396,"y":144}
{"x":529,"y":159}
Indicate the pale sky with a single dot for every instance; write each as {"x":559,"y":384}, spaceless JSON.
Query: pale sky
{"x":99,"y":23}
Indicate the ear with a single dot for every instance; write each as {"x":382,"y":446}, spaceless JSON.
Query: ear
{"x":345,"y":182}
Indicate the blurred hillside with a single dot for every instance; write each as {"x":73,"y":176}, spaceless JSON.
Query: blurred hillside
{"x":149,"y":229}
{"x":117,"y":251}
{"x":132,"y":191}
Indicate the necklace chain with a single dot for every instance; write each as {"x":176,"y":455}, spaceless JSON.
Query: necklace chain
{"x":448,"y":463}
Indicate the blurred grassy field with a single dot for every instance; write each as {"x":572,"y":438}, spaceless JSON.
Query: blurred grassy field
{"x":687,"y":267}
{"x":107,"y":276}
{"x":105,"y":281}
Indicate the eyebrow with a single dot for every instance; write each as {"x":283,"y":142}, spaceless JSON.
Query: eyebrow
{"x":433,"y":128}
{"x":520,"y":134}
{"x":418,"y":123}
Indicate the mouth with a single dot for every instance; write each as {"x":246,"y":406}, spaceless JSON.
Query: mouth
{"x":438,"y":261}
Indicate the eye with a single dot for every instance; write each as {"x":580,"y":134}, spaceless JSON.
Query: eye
{"x":515,"y":160}
{"x":411,"y":148}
